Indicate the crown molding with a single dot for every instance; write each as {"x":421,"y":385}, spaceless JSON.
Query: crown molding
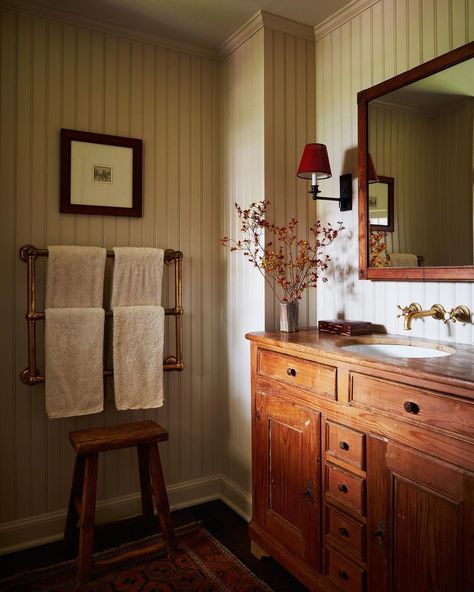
{"x":285,"y":25}
{"x":240,"y":36}
{"x":263,"y":19}
{"x":68,"y":17}
{"x":343,"y":15}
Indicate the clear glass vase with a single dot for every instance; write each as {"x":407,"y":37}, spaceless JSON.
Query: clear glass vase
{"x":289,"y":316}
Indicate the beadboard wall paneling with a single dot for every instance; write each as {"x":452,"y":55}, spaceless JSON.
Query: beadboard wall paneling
{"x":289,"y":125}
{"x":242,"y":287}
{"x":402,"y":144}
{"x":267,"y":118}
{"x":430,"y":157}
{"x":57,"y":75}
{"x":387,"y":38}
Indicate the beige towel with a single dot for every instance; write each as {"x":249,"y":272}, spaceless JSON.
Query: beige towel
{"x":74,"y":341}
{"x":403,"y":260}
{"x":75,"y":277}
{"x":138,"y":356}
{"x":137,"y":277}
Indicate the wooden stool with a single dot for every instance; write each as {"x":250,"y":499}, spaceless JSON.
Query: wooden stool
{"x":145,"y":435}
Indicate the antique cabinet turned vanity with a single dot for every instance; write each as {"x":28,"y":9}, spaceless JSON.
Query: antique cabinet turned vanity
{"x":363,"y":465}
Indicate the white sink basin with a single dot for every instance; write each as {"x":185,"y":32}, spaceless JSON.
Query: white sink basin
{"x":397,"y":348}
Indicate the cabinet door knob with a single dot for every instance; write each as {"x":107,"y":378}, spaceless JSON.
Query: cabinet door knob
{"x":343,"y":575}
{"x":342,"y":488}
{"x":343,"y":532}
{"x":343,"y":445}
{"x":411,"y":407}
{"x":291,"y":372}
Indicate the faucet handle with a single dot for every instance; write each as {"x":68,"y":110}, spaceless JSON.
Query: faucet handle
{"x":460,"y":313}
{"x":413,"y":307}
{"x":404,"y":311}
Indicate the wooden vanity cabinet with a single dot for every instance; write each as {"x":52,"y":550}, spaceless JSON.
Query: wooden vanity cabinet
{"x":349,"y":494}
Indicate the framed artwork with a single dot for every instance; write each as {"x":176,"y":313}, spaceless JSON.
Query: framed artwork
{"x":381,"y":204}
{"x":100,"y":174}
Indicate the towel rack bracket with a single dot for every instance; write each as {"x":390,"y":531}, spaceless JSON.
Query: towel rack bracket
{"x":30,"y":379}
{"x":27,"y":251}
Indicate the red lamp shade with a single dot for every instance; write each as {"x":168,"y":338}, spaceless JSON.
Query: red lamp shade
{"x":371,"y":173}
{"x":314,"y":161}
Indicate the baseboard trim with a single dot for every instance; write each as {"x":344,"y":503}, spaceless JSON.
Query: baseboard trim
{"x":47,"y":528}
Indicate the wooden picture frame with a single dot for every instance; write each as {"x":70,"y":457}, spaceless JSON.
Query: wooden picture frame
{"x":389,"y":183}
{"x":100,"y":174}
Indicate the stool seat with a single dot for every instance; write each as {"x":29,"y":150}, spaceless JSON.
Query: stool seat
{"x":116,"y":437}
{"x":145,"y":435}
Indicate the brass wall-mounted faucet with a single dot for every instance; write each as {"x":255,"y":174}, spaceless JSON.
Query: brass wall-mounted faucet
{"x":460,"y":313}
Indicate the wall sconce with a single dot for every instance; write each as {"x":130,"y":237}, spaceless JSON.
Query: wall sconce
{"x":371,"y":173}
{"x":315,"y":165}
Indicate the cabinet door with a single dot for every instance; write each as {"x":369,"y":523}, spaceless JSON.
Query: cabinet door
{"x":287,"y":483}
{"x":420,"y":522}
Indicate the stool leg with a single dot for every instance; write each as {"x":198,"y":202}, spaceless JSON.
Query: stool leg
{"x":161,"y":497}
{"x":86,"y":525}
{"x":145,"y":486}
{"x":70,"y":530}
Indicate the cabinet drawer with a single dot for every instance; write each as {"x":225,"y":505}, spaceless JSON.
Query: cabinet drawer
{"x":345,"y":444}
{"x":319,"y":378}
{"x":447,"y":413}
{"x":345,"y":533}
{"x":346,"y":487}
{"x":347,"y":576}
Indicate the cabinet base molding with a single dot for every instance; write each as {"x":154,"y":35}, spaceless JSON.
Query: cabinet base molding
{"x":296,"y":566}
{"x":257,"y":550}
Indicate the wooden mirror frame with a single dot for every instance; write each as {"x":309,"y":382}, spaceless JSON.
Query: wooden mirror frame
{"x":389,"y":182}
{"x":459,"y":273}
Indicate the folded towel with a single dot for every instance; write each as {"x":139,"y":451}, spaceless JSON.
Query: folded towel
{"x":138,"y":356}
{"x":137,"y":277}
{"x":74,"y":342}
{"x":75,"y":277}
{"x":403,"y":260}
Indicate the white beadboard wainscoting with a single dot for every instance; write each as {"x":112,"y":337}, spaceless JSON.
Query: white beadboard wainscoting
{"x":55,"y":74}
{"x":378,"y":41}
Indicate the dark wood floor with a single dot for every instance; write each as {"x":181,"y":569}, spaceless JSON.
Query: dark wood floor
{"x":224,"y":524}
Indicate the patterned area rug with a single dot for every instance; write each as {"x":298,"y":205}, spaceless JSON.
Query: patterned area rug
{"x":201,"y":564}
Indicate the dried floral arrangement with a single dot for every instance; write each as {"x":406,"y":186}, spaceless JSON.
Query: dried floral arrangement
{"x":378,"y":249}
{"x":295,"y":264}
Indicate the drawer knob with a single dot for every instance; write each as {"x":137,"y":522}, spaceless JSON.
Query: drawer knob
{"x":291,"y":372}
{"x":342,"y":488}
{"x":343,"y":575}
{"x":411,"y":407}
{"x":343,"y":532}
{"x":343,"y":445}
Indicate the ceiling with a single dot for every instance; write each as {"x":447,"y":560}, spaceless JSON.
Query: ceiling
{"x":206,"y":23}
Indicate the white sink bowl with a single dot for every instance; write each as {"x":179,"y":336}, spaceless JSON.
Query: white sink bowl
{"x":397,"y":348}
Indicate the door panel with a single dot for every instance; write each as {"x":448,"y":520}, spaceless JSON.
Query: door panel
{"x":287,"y":452}
{"x":420,"y":527}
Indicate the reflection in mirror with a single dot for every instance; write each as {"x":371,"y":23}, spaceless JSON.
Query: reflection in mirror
{"x":381,"y":204}
{"x":422,"y":135}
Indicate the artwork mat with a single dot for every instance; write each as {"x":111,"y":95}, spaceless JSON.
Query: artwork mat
{"x":85,"y":190}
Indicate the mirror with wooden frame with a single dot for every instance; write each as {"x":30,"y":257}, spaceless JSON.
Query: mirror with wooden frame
{"x":419,"y":129}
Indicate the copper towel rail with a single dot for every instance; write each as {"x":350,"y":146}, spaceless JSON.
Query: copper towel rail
{"x":29,"y":254}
